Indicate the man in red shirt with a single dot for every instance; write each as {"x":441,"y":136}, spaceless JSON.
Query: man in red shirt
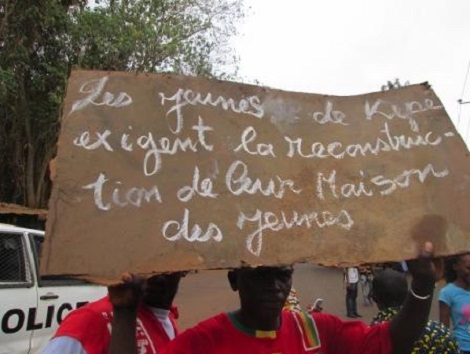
{"x":87,"y":330}
{"x":260,"y":326}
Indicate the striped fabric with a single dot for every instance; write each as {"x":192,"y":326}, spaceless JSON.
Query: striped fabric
{"x":252,"y":332}
{"x":306,"y":325}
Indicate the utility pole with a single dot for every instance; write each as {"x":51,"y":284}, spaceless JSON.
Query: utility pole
{"x":461,"y":102}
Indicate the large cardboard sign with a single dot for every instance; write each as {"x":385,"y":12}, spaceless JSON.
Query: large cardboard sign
{"x":161,"y":173}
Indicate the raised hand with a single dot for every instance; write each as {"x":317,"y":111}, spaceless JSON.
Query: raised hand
{"x":128,"y":293}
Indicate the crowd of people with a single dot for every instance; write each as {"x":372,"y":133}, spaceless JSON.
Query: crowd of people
{"x":138,"y":316}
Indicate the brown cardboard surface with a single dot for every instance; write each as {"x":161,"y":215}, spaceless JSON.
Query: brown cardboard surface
{"x":164,"y":173}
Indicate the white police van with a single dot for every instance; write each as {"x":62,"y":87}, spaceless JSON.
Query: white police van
{"x":31,"y":306}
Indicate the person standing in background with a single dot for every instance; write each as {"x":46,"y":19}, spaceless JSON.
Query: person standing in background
{"x":454,"y":299}
{"x":292,"y":302}
{"x":366,"y":276}
{"x":351,"y":280}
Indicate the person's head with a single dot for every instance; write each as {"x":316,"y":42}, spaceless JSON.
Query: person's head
{"x":389,"y":288}
{"x":458,"y":269}
{"x":160,"y":290}
{"x":263,"y":291}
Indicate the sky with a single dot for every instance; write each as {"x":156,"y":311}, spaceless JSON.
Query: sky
{"x":350,"y":47}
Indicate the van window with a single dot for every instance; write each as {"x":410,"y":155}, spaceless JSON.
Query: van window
{"x":14,"y":266}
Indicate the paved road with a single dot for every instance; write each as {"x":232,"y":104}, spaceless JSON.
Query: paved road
{"x":208,"y":292}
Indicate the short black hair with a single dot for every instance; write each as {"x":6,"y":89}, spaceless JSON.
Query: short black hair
{"x":389,"y":288}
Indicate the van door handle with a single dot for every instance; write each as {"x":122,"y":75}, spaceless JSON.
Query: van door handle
{"x":49,"y":296}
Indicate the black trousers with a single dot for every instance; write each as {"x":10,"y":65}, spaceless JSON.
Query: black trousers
{"x":351,"y":297}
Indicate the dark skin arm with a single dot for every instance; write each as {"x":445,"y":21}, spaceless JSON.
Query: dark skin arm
{"x":407,"y":326}
{"x":125,"y":298}
{"x":444,"y":313}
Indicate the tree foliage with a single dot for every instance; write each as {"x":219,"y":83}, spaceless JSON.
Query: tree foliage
{"x":42,"y":40}
{"x":394,"y":85}
{"x":182,"y":36}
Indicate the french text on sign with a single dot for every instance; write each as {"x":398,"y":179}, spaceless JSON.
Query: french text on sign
{"x":250,"y":105}
{"x":271,"y":221}
{"x":385,"y":142}
{"x":154,"y":147}
{"x":96,"y":97}
{"x":132,"y":196}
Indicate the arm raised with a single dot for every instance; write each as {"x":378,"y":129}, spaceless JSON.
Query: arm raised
{"x":407,"y":326}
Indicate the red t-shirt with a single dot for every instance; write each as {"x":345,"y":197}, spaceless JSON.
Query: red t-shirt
{"x":91,"y":326}
{"x":300,"y":333}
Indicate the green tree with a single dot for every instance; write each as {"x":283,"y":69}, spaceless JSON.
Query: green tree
{"x":180,"y":36}
{"x":394,"y":85}
{"x":42,"y":40}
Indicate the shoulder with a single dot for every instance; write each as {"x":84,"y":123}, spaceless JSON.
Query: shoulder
{"x":90,"y":325}
{"x":448,"y":287}
{"x":217,"y":319}
{"x":323,"y":318}
{"x":64,"y":345}
{"x":95,"y":314}
{"x":101,"y":307}
{"x":447,"y":291}
{"x":318,"y":322}
{"x":209,"y":326}
{"x":335,"y":332}
{"x":437,"y":328}
{"x":202,"y":337}
{"x":328,"y":322}
{"x":439,"y":336}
